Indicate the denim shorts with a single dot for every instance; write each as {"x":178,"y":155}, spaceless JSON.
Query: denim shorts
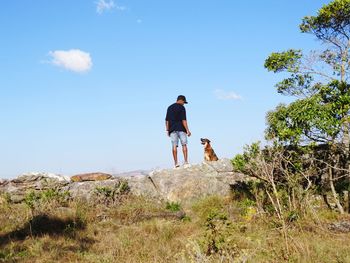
{"x":178,"y":135}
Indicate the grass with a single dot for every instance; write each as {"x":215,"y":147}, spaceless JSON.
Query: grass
{"x":173,"y":206}
{"x":140,"y":230}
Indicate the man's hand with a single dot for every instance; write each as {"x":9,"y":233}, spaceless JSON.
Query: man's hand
{"x":167,"y":128}
{"x":184,"y":123}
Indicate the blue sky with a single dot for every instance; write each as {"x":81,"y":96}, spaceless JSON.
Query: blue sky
{"x":85,"y":85}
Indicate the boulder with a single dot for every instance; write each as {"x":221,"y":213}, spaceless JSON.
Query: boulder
{"x":184,"y":184}
{"x":139,"y":185}
{"x":35,"y":176}
{"x":86,"y":189}
{"x":90,"y":177}
{"x":187,"y":184}
{"x":20,"y":186}
{"x":143,"y":185}
{"x":221,"y":166}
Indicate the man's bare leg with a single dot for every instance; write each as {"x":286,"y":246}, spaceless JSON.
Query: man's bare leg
{"x":175,"y":155}
{"x":185,"y":152}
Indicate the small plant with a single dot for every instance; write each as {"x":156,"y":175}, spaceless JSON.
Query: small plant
{"x":173,"y":206}
{"x":5,"y":199}
{"x":112,"y":195}
{"x":248,"y":208}
{"x":32,"y":199}
{"x":216,"y":222}
{"x":293,"y":216}
{"x":104,"y":191}
{"x":123,"y":187}
{"x":35,"y":200}
{"x":186,"y":218}
{"x":50,"y":194}
{"x":218,"y":237}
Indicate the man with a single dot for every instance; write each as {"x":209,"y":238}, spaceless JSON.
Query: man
{"x":177,"y":128}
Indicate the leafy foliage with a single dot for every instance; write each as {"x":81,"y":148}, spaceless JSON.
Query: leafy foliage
{"x":332,"y":20}
{"x":319,"y":81}
{"x":288,"y":60}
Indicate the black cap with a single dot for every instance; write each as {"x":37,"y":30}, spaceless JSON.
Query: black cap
{"x":183,"y":98}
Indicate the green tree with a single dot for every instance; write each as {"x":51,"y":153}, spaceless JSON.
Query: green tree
{"x":319,"y":80}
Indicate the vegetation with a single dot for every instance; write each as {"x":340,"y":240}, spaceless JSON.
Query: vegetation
{"x":289,"y":212}
{"x":308,"y":151}
{"x":320,"y":114}
{"x":111,"y":195}
{"x":219,"y":231}
{"x":173,"y":206}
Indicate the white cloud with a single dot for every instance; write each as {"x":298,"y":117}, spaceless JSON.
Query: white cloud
{"x":104,"y":5}
{"x":120,"y":7}
{"x":73,"y":60}
{"x":226,"y":95}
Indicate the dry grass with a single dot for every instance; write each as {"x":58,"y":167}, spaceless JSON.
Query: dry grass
{"x":138,"y":230}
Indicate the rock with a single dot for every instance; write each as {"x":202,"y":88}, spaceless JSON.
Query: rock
{"x":139,"y":185}
{"x":91,"y":177}
{"x":341,"y":227}
{"x":35,"y":176}
{"x":184,"y":184}
{"x":20,"y":186}
{"x":3,"y":182}
{"x":87,"y":189}
{"x":221,"y":166}
{"x":132,"y":173}
{"x":176,"y":185}
{"x":142,"y":185}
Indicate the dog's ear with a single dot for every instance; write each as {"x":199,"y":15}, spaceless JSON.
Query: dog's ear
{"x":208,"y":140}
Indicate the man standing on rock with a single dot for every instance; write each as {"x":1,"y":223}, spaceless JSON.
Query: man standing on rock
{"x":177,"y":128}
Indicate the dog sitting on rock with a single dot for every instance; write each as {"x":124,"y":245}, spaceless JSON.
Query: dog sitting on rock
{"x":209,"y":154}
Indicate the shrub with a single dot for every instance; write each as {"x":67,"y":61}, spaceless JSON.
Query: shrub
{"x":218,"y":235}
{"x":173,"y":206}
{"x":46,"y":199}
{"x":112,"y":195}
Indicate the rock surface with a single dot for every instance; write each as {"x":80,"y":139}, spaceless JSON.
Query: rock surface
{"x":90,"y":177}
{"x":20,"y":186}
{"x":3,"y":181}
{"x":86,"y":190}
{"x":182,"y":185}
{"x":187,"y":184}
{"x":341,"y":227}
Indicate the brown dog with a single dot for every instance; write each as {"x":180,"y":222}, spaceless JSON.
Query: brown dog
{"x":209,"y":154}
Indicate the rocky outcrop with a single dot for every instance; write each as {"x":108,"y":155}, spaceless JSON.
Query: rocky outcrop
{"x":19,"y":187}
{"x":187,"y":184}
{"x":183,"y":184}
{"x":91,"y":177}
{"x":86,"y":190}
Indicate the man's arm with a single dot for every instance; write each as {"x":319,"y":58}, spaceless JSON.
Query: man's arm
{"x":167,"y":127}
{"x":167,"y":123}
{"x":184,"y":123}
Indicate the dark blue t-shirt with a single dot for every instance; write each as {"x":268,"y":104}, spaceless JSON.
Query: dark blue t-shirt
{"x":176,"y":113}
